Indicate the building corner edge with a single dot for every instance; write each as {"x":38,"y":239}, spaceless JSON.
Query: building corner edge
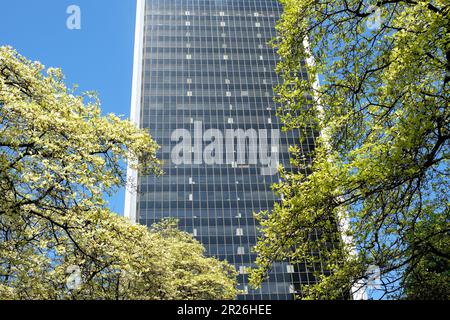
{"x":130,"y":210}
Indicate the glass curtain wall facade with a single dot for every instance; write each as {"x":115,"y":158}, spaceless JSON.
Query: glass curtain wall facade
{"x":206,"y":96}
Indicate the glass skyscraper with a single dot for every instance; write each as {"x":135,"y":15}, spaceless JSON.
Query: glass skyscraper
{"x":203,"y":87}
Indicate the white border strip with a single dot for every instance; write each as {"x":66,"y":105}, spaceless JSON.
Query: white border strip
{"x":130,"y":211}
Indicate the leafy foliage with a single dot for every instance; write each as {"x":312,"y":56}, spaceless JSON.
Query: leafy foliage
{"x":428,"y":278}
{"x":58,"y":157}
{"x":380,"y":167}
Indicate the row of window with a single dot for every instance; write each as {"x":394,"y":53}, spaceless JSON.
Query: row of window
{"x":184,"y":176}
{"x":238,"y":35}
{"x":260,"y":37}
{"x":169,"y":41}
{"x":212,"y":65}
{"x":198,"y":170}
{"x":207,"y":113}
{"x":215,"y":68}
{"x":184,"y":204}
{"x":210,"y":30}
{"x":207,"y":11}
{"x":217,"y":221}
{"x":193,"y":11}
{"x":207,"y":74}
{"x":210,"y":21}
{"x":218,"y":85}
{"x":182,"y":195}
{"x":211,"y":112}
{"x":165,"y":130}
{"x":205,"y":216}
{"x":161,"y":57}
{"x":195,"y":187}
{"x":220,"y":49}
{"x":182,"y":118}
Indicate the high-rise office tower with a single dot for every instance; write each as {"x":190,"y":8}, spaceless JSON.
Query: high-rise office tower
{"x":203,"y":86}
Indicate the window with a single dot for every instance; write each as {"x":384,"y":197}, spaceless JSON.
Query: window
{"x":189,"y":93}
{"x":189,"y":80}
{"x":257,"y":24}
{"x":240,"y":250}
{"x":243,"y":270}
{"x":290,"y":268}
{"x":188,"y":23}
{"x":223,"y":24}
{"x":291,"y":288}
{"x":188,"y":56}
{"x":239,"y":232}
{"x":245,"y":290}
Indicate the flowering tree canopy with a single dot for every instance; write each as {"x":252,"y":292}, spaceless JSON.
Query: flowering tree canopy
{"x":381,"y":161}
{"x":58,"y":158}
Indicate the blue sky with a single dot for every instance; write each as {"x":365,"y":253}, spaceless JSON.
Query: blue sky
{"x":98,"y":57}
